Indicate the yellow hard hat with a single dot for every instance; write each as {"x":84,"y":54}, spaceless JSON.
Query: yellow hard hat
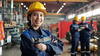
{"x":37,"y":6}
{"x":76,"y":18}
{"x":83,"y":18}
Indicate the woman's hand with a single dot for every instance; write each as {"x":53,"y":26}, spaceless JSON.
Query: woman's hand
{"x":41,"y":46}
{"x":54,"y":41}
{"x":79,"y":29}
{"x":86,"y":26}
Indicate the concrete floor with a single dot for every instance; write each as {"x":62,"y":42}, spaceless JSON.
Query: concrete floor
{"x":12,"y":51}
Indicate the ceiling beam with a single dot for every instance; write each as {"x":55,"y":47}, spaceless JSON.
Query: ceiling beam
{"x":88,"y":5}
{"x":51,"y":0}
{"x":55,"y":14}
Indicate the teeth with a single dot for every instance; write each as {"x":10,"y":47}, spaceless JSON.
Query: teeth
{"x":37,"y":22}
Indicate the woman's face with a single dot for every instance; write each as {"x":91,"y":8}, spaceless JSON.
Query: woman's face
{"x":37,"y":18}
{"x":75,"y":22}
{"x":83,"y":21}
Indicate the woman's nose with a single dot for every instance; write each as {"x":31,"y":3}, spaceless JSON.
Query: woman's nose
{"x":38,"y":17}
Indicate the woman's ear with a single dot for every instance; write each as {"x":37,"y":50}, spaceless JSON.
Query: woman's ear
{"x":29,"y":18}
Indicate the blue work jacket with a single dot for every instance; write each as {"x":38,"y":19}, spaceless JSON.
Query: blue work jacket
{"x":85,"y":33}
{"x":30,"y":37}
{"x":74,"y":31}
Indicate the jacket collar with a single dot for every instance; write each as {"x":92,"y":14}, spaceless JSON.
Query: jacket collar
{"x":34,"y":32}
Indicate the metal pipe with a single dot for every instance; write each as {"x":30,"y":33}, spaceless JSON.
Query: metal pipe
{"x":2,"y":14}
{"x":93,"y":3}
{"x":12,"y":9}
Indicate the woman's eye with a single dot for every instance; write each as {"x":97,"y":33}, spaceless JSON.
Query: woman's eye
{"x":34,"y":14}
{"x":41,"y":15}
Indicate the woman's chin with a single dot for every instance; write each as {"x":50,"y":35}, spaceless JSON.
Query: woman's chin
{"x":38,"y":25}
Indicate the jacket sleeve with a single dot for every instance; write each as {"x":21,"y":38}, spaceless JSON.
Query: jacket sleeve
{"x":73,"y":29}
{"x":89,"y":28}
{"x":26,"y":46}
{"x":55,"y":47}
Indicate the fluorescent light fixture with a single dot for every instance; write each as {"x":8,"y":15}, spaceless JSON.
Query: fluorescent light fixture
{"x":71,"y":16}
{"x":96,"y":12}
{"x":22,"y":4}
{"x":60,"y":9}
{"x":26,"y":7}
{"x":64,"y":3}
{"x":44,"y":3}
{"x":91,"y":13}
{"x":88,"y":14}
{"x":62,"y":6}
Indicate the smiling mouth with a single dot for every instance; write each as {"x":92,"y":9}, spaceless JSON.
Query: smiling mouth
{"x":38,"y":22}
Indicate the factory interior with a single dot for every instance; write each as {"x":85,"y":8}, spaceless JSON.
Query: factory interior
{"x":60,"y":15}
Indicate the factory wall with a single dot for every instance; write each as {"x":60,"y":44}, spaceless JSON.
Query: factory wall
{"x":64,"y":27}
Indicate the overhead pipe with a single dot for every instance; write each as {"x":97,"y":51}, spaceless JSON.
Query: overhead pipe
{"x":93,"y":3}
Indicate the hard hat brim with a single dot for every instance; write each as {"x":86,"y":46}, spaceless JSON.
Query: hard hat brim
{"x":76,"y":20}
{"x":44,"y":11}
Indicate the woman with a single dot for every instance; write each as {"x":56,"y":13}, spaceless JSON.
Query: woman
{"x":36,"y":41}
{"x":85,"y":37}
{"x":74,"y":29}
